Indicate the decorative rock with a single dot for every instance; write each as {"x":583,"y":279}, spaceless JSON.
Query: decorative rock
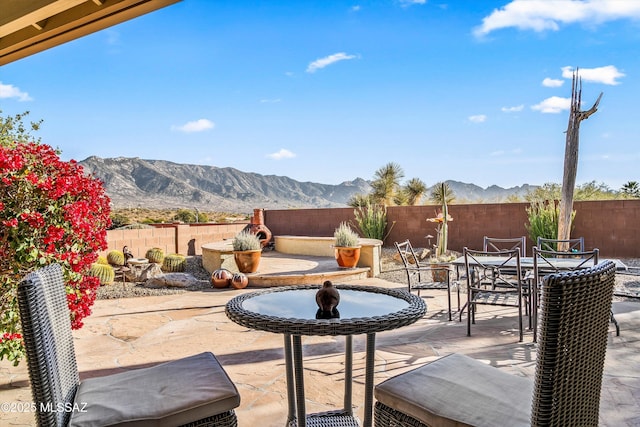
{"x":175,"y":280}
{"x":239,"y":281}
{"x":153,"y":270}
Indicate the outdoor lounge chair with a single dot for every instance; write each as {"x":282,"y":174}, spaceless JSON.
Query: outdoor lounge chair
{"x":194,"y":391}
{"x":457,"y":390}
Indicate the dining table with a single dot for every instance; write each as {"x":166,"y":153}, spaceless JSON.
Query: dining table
{"x":292,"y":311}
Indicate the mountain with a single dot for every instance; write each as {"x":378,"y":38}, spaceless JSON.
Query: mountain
{"x":133,"y":182}
{"x":472,"y":193}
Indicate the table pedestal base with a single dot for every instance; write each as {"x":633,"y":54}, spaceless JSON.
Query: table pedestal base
{"x":328,"y":419}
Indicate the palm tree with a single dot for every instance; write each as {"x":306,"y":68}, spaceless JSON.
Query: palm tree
{"x":414,"y":190}
{"x":631,"y":189}
{"x":386,"y":183}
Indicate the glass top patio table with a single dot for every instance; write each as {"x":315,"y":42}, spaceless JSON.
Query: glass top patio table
{"x":292,"y":311}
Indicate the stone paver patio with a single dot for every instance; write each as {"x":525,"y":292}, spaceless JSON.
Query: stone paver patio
{"x":136,"y":332}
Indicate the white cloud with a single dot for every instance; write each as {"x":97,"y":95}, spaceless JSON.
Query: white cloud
{"x":607,"y":75}
{"x":552,"y":82}
{"x":270,"y":101}
{"x":543,"y":15}
{"x":328,"y":60}
{"x":195,"y":126}
{"x":512,"y":109}
{"x":282,"y":154}
{"x":356,"y":8}
{"x":10,"y":91}
{"x":411,"y":2}
{"x":553,"y":105}
{"x":479,"y":118}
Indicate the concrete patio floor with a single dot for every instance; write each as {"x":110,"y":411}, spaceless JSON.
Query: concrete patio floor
{"x":137,"y":332}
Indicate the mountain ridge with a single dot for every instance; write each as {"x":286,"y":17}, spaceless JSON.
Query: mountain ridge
{"x":136,"y":182}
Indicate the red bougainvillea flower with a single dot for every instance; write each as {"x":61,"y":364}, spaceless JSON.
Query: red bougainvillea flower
{"x":50,"y":211}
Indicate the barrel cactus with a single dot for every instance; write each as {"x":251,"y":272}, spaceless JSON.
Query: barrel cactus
{"x":174,"y":263}
{"x":155,"y":255}
{"x":104,"y":272}
{"x":102,"y":260}
{"x":115,"y":257}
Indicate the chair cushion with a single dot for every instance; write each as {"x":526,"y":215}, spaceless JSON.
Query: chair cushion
{"x":456,"y":390}
{"x":168,"y":394}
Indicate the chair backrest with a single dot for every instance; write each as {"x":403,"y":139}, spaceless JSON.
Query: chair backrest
{"x":483,"y":266}
{"x":545,"y":262}
{"x":494,"y":244}
{"x":571,"y":349}
{"x":409,"y":259}
{"x":46,"y":329}
{"x":571,"y":245}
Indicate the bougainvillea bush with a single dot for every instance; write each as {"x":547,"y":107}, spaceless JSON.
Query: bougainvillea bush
{"x":50,"y":211}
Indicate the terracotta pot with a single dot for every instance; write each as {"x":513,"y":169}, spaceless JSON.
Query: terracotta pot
{"x":347,"y":257}
{"x":440,"y":275}
{"x":247,"y":261}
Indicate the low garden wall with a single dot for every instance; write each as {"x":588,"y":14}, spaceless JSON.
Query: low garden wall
{"x":186,"y":239}
{"x":610,"y":225}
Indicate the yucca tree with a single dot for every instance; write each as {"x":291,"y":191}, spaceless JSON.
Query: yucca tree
{"x":386,"y":183}
{"x":414,"y":189}
{"x":631,"y":189}
{"x":441,"y":193}
{"x":360,"y":200}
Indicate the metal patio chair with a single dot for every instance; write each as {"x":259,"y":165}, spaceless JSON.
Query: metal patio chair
{"x":457,"y":390}
{"x":193,"y":391}
{"x":420,"y":276}
{"x":547,"y":262}
{"x":494,"y":278}
{"x":495,"y":244}
{"x":573,"y":245}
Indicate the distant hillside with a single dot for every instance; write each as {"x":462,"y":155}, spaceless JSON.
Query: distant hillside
{"x":133,"y":182}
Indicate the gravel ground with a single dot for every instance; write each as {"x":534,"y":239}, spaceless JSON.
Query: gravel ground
{"x":627,"y":284}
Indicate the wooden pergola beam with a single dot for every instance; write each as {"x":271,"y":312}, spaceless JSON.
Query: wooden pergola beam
{"x":31,"y":26}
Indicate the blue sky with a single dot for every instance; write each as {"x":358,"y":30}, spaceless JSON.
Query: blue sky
{"x":473,"y":91}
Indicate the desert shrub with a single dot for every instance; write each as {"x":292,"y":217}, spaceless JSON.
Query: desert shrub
{"x":543,"y":219}
{"x":371,"y":219}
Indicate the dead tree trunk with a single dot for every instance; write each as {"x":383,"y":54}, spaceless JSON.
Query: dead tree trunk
{"x":571,"y":158}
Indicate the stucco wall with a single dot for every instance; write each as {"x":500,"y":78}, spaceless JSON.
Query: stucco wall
{"x":608,"y":225}
{"x":172,"y":238}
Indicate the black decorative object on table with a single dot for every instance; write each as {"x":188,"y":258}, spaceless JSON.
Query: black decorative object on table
{"x":327,"y":299}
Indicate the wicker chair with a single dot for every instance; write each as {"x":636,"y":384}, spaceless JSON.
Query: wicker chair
{"x":194,"y":391}
{"x":457,"y":390}
{"x":421,"y":277}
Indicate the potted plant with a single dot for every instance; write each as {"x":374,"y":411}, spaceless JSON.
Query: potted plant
{"x":246,"y":251}
{"x":347,"y":246}
{"x":441,"y":194}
